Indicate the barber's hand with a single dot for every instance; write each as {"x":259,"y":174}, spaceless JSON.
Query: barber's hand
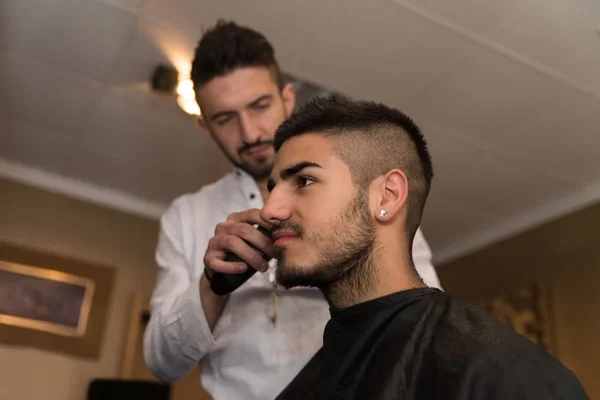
{"x":230,"y":236}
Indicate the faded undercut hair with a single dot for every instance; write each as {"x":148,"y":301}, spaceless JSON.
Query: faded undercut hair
{"x":371,"y":139}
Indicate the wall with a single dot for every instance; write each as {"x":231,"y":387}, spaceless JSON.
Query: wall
{"x":76,"y":229}
{"x":565,"y":255}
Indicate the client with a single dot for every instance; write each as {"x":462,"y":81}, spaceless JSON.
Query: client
{"x":347,"y":192}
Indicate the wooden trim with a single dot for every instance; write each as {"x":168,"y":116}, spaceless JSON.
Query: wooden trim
{"x":138,"y":306}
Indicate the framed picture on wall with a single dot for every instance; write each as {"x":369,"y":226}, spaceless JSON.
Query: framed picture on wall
{"x":44,"y":299}
{"x":527,"y":309}
{"x":52,"y":302}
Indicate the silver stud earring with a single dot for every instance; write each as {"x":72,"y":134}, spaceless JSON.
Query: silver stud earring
{"x":383,"y":213}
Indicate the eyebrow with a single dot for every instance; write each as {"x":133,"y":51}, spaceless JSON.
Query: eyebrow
{"x":291,"y":171}
{"x":253,"y":103}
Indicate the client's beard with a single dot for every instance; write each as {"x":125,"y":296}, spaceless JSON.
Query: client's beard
{"x":344,"y":269}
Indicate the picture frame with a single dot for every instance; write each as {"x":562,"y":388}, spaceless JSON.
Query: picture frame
{"x":52,"y":302}
{"x":133,"y":365}
{"x":528,"y":310}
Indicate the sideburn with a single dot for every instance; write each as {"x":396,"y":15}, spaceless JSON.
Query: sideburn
{"x":352,"y":263}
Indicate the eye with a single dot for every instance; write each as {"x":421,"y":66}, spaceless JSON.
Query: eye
{"x":304,"y":181}
{"x":223,"y":120}
{"x":259,"y":107}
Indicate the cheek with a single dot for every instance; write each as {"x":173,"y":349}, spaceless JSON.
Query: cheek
{"x":270,"y":120}
{"x":230,"y":138}
{"x":320,"y":212}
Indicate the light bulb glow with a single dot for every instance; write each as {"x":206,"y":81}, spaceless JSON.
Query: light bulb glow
{"x":186,"y":98}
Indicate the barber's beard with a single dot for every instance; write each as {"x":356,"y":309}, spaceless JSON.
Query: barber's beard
{"x":344,"y":269}
{"x":259,"y":168}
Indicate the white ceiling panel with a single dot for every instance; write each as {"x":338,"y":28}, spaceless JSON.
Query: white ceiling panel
{"x":152,"y":44}
{"x":33,"y":145}
{"x":158,"y":138}
{"x":475,"y":191}
{"x":82,"y":37}
{"x":441,"y":220}
{"x":190,"y":16}
{"x":285,"y":23}
{"x":132,"y":6}
{"x":379,"y":51}
{"x":468,"y":177}
{"x":511,"y":124}
{"x":20,"y":21}
{"x":562,"y":35}
{"x":479,"y":16}
{"x":123,"y":128}
{"x":487,"y":96}
{"x":564,"y":139}
{"x":49,"y":100}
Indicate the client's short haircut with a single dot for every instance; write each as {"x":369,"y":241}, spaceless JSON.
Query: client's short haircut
{"x":373,"y":139}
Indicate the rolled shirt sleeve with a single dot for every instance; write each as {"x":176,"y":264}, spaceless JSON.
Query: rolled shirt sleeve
{"x":177,"y":336}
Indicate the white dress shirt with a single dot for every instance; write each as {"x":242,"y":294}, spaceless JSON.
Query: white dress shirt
{"x":245,"y":356}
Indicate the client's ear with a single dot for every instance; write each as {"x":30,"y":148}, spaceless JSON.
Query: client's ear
{"x":393,"y":195}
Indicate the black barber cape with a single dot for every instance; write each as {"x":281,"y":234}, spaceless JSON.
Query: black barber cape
{"x":424,"y":344}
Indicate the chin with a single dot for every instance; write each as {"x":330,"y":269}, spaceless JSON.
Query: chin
{"x":290,"y":275}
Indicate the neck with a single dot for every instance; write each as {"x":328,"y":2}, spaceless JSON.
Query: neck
{"x":382,"y":273}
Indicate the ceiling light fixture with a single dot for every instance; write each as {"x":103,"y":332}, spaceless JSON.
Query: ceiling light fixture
{"x":186,"y":97}
{"x":168,"y":80}
{"x":164,"y":79}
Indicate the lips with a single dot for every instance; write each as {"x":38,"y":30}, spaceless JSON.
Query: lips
{"x":257,"y":150}
{"x":281,"y":237}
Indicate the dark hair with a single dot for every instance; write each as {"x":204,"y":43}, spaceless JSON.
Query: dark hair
{"x":373,"y":140}
{"x":228,"y":46}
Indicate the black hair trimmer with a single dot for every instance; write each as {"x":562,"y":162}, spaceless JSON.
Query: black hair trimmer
{"x":223,"y":284}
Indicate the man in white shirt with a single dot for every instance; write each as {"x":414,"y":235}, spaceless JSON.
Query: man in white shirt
{"x":252,"y":343}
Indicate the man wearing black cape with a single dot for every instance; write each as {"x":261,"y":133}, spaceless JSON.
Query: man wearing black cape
{"x":347,"y":192}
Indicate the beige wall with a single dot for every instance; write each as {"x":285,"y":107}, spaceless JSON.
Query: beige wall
{"x":564,"y":254}
{"x":73,"y":228}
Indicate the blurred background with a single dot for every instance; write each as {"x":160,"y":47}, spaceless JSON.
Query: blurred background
{"x":507,"y":93}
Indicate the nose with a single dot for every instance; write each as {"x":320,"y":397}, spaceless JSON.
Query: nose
{"x":276,"y":209}
{"x":248,"y":129}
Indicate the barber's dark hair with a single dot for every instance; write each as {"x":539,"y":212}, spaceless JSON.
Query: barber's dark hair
{"x":373,"y":139}
{"x":226,"y":47}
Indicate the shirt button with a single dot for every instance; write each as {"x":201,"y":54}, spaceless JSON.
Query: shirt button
{"x":252,"y":196}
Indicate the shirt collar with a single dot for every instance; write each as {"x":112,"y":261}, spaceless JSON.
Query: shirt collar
{"x":241,"y":173}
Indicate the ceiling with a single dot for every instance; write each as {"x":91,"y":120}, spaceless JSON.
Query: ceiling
{"x":506,"y":91}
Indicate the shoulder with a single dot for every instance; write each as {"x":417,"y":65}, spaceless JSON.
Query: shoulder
{"x":189,"y":206}
{"x":473,"y":330}
{"x":521,"y":370}
{"x":495,"y":361}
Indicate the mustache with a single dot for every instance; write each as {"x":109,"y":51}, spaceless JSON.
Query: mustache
{"x":250,"y":146}
{"x":288,"y":226}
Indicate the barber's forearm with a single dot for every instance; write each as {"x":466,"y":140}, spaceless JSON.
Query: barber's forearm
{"x":212,"y":304}
{"x":177,"y":336}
